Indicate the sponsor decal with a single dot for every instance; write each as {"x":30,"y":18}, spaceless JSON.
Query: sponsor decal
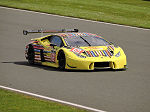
{"x":97,"y":53}
{"x":53,"y":57}
{"x":93,"y":48}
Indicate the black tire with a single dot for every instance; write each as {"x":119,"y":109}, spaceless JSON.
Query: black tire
{"x":61,"y":60}
{"x":31,"y":55}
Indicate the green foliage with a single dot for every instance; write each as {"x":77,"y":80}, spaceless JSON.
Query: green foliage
{"x":15,"y":102}
{"x":128,"y":12}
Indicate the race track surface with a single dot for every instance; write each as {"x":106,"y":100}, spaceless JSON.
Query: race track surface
{"x":112,"y":91}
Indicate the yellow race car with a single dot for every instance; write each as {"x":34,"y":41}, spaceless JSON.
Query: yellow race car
{"x":69,"y":49}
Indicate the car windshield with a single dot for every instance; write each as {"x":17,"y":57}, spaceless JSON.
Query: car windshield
{"x":90,"y":40}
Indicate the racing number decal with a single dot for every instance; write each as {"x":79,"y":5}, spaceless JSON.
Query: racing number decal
{"x":75,"y":50}
{"x":49,"y":56}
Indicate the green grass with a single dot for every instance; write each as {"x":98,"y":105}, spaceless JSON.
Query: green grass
{"x":16,"y":102}
{"x":127,"y":12}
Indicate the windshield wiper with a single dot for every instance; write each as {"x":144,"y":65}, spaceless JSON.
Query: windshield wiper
{"x":85,"y":41}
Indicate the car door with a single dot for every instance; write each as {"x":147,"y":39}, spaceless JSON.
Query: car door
{"x":55,"y":43}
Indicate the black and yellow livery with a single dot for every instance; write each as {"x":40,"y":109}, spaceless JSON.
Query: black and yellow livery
{"x":68,"y":49}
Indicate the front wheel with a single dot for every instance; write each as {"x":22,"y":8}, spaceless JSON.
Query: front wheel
{"x":61,"y":60}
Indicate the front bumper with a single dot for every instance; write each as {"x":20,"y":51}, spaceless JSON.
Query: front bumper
{"x":91,"y":63}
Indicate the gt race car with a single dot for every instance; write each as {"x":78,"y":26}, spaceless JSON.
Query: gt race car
{"x":69,"y":49}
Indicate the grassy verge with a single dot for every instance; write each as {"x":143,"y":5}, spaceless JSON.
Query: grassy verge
{"x":127,"y":12}
{"x":15,"y":102}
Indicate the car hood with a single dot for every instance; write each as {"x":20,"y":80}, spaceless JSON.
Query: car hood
{"x":94,"y":51}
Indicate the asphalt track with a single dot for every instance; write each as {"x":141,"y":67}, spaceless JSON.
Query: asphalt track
{"x":112,"y":91}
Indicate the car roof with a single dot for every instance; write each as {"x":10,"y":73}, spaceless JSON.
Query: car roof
{"x":74,"y":34}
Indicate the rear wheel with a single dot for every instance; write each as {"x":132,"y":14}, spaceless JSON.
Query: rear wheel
{"x":61,"y":60}
{"x":31,"y":55}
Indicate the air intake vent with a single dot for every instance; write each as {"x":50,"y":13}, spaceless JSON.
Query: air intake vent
{"x":101,"y":64}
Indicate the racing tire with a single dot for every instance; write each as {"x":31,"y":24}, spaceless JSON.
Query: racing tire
{"x":31,"y":55}
{"x":61,"y":60}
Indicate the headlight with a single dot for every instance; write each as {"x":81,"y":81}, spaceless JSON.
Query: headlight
{"x":118,"y":54}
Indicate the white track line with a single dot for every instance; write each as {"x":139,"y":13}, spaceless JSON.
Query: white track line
{"x":52,"y":99}
{"x":75,"y":18}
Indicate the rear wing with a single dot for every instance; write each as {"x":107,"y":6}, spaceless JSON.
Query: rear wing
{"x":25,"y":32}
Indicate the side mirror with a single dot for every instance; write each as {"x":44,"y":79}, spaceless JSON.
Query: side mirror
{"x":53,"y":45}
